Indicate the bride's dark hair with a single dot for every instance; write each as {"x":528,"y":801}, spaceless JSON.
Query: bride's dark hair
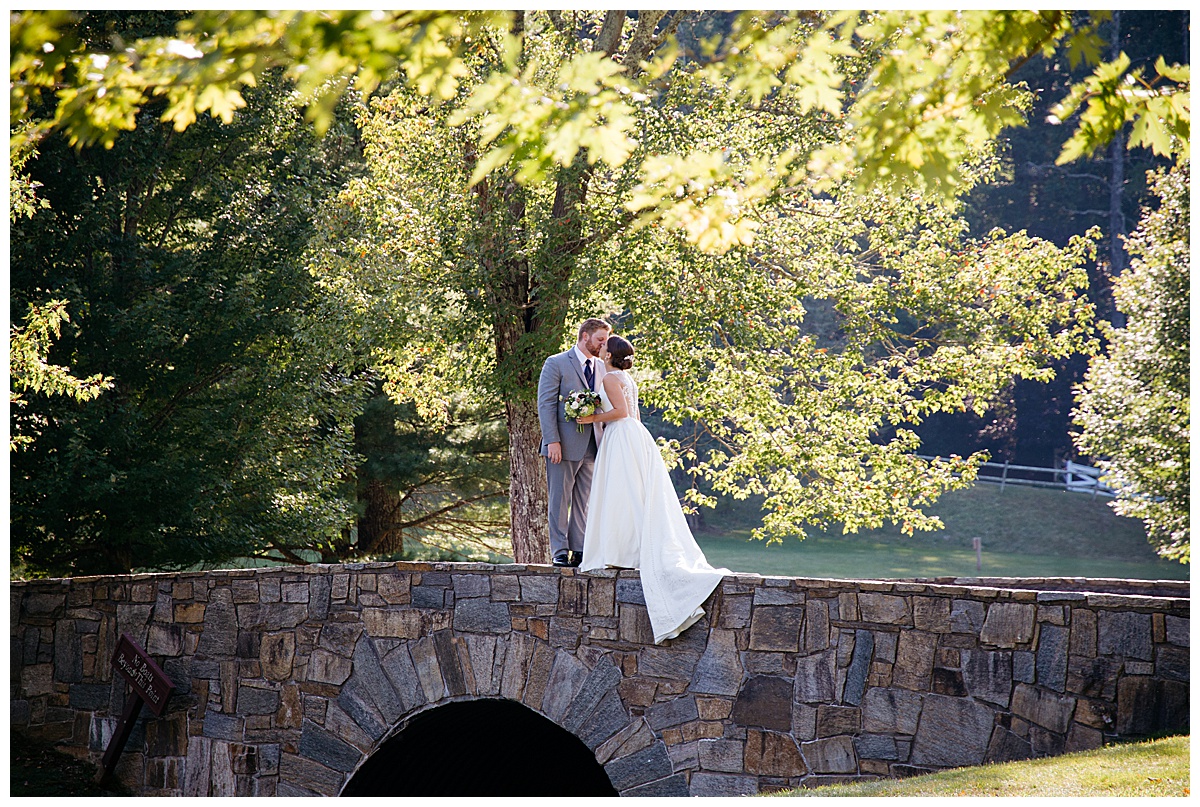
{"x":620,"y":352}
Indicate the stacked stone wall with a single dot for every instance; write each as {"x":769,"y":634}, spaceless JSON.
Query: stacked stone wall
{"x":288,"y":679}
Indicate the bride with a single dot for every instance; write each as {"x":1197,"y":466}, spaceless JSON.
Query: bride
{"x":634,"y":518}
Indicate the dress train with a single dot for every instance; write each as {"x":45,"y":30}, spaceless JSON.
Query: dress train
{"x":635,"y":521}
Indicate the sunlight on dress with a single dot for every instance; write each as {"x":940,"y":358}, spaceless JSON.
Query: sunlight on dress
{"x":635,"y":521}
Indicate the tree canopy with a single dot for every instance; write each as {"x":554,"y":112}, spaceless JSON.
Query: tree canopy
{"x":226,"y":425}
{"x":773,"y":213}
{"x":926,"y":317}
{"x":1031,"y":425}
{"x":938,"y":86}
{"x":1134,"y":404}
{"x":30,"y":370}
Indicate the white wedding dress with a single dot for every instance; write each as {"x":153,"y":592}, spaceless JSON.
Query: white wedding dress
{"x":635,"y":521}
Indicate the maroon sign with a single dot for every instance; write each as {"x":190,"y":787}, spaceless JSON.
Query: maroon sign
{"x":147,"y":678}
{"x":150,"y":685}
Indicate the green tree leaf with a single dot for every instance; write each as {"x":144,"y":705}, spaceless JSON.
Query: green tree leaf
{"x":1133,"y":408}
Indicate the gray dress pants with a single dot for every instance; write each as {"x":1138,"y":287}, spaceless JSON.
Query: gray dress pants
{"x":568,"y":485}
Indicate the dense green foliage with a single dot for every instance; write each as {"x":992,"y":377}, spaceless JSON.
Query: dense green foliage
{"x":31,"y":372}
{"x":1134,"y":404}
{"x":1031,"y":424}
{"x":431,"y":485}
{"x":910,"y":122}
{"x":240,"y":423}
{"x":225,"y":426}
{"x":22,"y":191}
{"x":773,"y":215}
{"x":925,"y":318}
{"x":29,"y":343}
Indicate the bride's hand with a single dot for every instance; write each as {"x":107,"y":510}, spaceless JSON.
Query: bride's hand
{"x":586,"y":419}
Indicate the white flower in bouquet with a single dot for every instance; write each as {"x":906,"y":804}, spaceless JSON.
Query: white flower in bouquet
{"x":580,"y":403}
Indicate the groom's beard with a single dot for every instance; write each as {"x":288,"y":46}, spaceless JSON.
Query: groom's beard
{"x":593,"y":348}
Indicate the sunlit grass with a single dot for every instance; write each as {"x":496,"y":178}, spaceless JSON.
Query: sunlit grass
{"x":858,"y":558}
{"x":1153,"y":768}
{"x":1025,"y":532}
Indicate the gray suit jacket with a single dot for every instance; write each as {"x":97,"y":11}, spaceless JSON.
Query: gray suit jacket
{"x":561,"y":375}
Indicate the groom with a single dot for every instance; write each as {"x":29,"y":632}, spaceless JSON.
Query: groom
{"x":569,"y":454}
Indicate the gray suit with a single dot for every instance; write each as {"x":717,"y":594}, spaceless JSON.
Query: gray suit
{"x":568,"y":482}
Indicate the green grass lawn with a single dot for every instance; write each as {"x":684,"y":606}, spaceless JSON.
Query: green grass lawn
{"x":1154,"y":768}
{"x":1025,"y":532}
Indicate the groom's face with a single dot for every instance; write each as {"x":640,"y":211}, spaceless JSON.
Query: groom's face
{"x":592,"y":342}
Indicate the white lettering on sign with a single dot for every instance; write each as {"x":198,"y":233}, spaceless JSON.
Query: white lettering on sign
{"x":140,"y":674}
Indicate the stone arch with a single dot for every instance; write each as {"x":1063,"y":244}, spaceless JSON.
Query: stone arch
{"x":481,"y":747}
{"x":390,"y":683}
{"x":288,"y":679}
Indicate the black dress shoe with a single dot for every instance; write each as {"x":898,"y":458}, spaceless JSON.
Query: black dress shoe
{"x":562,"y":559}
{"x":575,"y":559}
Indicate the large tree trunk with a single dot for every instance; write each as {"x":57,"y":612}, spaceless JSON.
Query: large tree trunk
{"x":519,"y":336}
{"x":527,"y":489}
{"x":530,"y":310}
{"x":377,"y":533}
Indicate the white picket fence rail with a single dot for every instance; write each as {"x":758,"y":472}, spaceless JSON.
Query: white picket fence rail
{"x":1072,"y":476}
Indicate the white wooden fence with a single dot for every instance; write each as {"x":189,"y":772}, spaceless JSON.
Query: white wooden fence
{"x":1072,"y":476}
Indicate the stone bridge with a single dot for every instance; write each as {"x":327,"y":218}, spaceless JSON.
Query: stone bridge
{"x":420,"y":678}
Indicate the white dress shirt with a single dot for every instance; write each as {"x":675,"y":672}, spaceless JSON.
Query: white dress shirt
{"x":583,"y":359}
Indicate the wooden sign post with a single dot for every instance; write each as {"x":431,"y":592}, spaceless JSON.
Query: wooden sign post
{"x":150,"y":685}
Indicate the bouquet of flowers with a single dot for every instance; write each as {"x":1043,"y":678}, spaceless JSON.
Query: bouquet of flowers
{"x":580,"y":403}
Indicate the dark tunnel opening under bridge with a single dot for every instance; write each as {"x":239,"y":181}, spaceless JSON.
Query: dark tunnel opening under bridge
{"x":481,"y":748}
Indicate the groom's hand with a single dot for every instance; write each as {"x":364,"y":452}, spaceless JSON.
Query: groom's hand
{"x":554,"y":452}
